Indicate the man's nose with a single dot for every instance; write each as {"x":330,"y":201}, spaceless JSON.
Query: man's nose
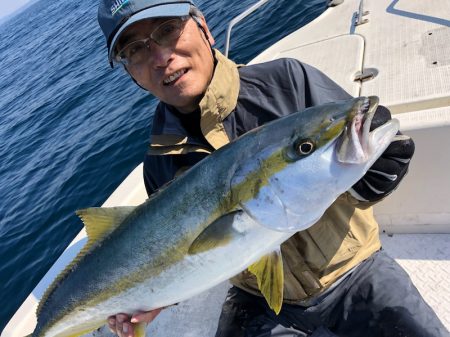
{"x":161,"y":55}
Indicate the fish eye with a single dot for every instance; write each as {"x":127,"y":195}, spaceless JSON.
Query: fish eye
{"x":299,"y":149}
{"x":304,"y":147}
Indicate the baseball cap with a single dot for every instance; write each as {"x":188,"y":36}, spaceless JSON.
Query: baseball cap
{"x":114,"y":16}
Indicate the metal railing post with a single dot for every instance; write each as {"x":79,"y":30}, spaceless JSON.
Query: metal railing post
{"x":238,"y":18}
{"x":361,"y":13}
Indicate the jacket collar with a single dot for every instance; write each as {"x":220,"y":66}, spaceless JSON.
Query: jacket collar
{"x":218,"y":102}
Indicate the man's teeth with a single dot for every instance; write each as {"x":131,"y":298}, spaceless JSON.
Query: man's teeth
{"x":173,"y":77}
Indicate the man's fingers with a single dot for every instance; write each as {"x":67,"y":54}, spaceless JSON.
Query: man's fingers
{"x":119,"y":324}
{"x":388,"y":166}
{"x":121,"y":320}
{"x":381,"y":116}
{"x":124,"y":325}
{"x":127,"y":329}
{"x":112,"y":324}
{"x":400,"y":148}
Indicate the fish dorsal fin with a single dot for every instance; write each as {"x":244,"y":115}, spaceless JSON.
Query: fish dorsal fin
{"x":269,"y":275}
{"x":218,"y":233}
{"x":99,"y":223}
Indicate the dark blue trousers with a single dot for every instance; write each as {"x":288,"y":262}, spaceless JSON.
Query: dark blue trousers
{"x":377,"y":299}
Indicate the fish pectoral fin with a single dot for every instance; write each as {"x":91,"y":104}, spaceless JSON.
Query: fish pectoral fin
{"x":100,"y":221}
{"x":139,"y":329}
{"x":218,"y":233}
{"x":269,"y":275}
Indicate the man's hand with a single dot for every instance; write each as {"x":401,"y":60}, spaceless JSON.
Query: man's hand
{"x":387,"y":172}
{"x":122,"y":324}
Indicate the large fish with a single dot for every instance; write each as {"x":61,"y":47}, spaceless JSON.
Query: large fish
{"x":229,"y":212}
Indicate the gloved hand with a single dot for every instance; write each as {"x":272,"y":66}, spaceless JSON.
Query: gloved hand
{"x":387,"y":172}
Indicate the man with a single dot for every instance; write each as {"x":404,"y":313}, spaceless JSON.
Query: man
{"x":337,"y":281}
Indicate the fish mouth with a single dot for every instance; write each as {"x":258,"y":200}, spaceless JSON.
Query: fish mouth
{"x":363,"y":119}
{"x":357,"y":142}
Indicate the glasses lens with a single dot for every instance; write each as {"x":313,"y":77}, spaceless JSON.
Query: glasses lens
{"x":168,"y":31}
{"x":134,"y":53}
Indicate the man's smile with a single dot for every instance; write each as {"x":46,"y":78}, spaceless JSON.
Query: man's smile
{"x":171,"y":79}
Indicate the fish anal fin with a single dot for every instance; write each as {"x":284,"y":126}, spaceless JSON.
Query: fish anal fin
{"x":79,"y":334}
{"x":269,"y":275}
{"x":218,"y":233}
{"x":99,"y":223}
{"x":81,"y":331}
{"x":139,"y":329}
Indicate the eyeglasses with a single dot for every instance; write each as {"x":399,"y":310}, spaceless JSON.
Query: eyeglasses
{"x":138,"y":52}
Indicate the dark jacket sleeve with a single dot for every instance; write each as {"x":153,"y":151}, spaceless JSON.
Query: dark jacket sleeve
{"x":278,"y":88}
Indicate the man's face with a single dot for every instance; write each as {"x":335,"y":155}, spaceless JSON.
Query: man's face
{"x":177,"y":74}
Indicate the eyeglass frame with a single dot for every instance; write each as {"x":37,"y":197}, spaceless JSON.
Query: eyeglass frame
{"x":117,"y":59}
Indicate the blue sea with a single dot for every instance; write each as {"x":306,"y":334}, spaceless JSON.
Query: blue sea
{"x":71,"y":128}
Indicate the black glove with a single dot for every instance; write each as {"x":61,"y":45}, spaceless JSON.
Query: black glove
{"x":387,"y":172}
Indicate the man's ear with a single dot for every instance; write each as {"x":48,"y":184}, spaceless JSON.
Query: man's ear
{"x":207,"y":32}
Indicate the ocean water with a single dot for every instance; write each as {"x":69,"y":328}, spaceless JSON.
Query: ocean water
{"x":71,"y":128}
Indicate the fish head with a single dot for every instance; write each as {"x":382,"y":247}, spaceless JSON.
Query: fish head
{"x":311,"y":158}
{"x":346,"y":126}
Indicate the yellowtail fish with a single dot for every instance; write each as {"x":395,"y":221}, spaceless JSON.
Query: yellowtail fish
{"x":229,"y":212}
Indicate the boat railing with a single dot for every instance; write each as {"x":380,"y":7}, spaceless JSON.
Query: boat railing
{"x":239,"y":18}
{"x":361,"y":13}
